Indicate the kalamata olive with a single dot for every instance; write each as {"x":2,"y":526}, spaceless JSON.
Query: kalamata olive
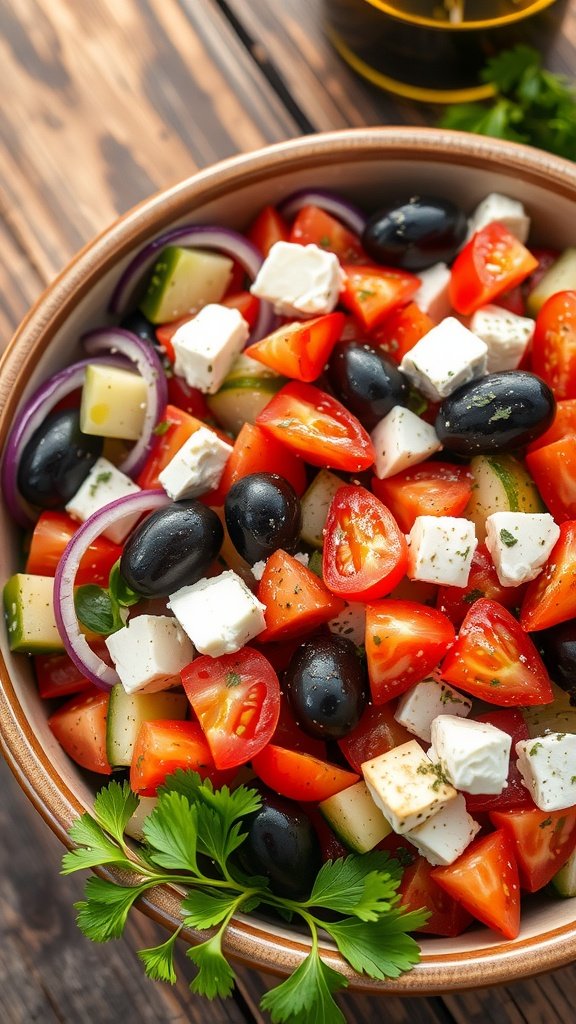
{"x":57,"y":460}
{"x":497,"y":413}
{"x":282,"y":845}
{"x":415,"y":232}
{"x":366,"y":381}
{"x":263,"y":513}
{"x":325,"y":685}
{"x":558,"y":646}
{"x":171,"y":548}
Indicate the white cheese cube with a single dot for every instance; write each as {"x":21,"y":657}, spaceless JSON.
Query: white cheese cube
{"x":149,"y":653}
{"x":197,"y":466}
{"x":432,"y":296}
{"x":443,"y":838}
{"x":507,"y":211}
{"x":402,"y":439}
{"x":422,"y":703}
{"x":506,"y":334}
{"x":350,"y":622}
{"x":406,"y":786}
{"x":104,"y":483}
{"x":474,"y":756}
{"x":520,"y":544}
{"x":220,"y":615}
{"x":547,"y":765}
{"x":299,"y":280}
{"x":440,"y":550}
{"x":445,"y":358}
{"x":206,"y":346}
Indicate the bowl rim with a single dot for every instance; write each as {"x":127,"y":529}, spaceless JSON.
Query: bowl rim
{"x":248,"y":942}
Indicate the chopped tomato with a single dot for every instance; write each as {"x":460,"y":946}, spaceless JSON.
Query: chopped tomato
{"x":173,"y":430}
{"x":296,"y":600}
{"x":314,"y":226}
{"x":513,"y":300}
{"x":300,"y":350}
{"x":371,"y":293}
{"x":300,"y":776}
{"x":236,"y":699}
{"x":80,"y":728}
{"x":419,"y":890}
{"x":289,"y":734}
{"x":317,"y":427}
{"x":268,"y":228}
{"x":52,"y":533}
{"x":255,"y":451}
{"x":492,"y":262}
{"x":162,"y":747}
{"x":485,"y":882}
{"x":542,"y":841}
{"x":365,"y":554}
{"x":58,"y":676}
{"x":514,"y":794}
{"x":553,"y":350}
{"x":551,"y":597}
{"x":401,"y":329}
{"x":404,"y":642}
{"x":483,"y":581}
{"x":190,"y":400}
{"x":429,"y":489}
{"x":377,"y":732}
{"x":246,"y":304}
{"x":495,"y":660}
{"x":554,"y":471}
{"x":563,"y":424}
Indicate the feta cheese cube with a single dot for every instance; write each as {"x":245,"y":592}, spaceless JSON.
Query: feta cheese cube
{"x":440,"y":550}
{"x":299,"y":280}
{"x":350,"y":622}
{"x":432,"y":296}
{"x":520,"y":544}
{"x":506,"y":334}
{"x":197,"y":466}
{"x":406,"y":786}
{"x":444,"y":837}
{"x":422,"y":703}
{"x":220,"y":615}
{"x":547,"y":765}
{"x":444,"y":359}
{"x":507,"y":211}
{"x":104,"y":483}
{"x":206,"y":346}
{"x":402,"y":439}
{"x":474,"y":756}
{"x":149,"y":653}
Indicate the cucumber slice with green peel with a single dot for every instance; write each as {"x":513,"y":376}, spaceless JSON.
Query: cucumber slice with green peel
{"x":29,"y":612}
{"x":355,"y":819}
{"x":564,"y":881}
{"x":242,"y":400}
{"x":560,"y":277}
{"x":244,"y":368}
{"x":315,"y":504}
{"x":501,"y":484}
{"x":127,"y":712}
{"x":183,"y":281}
{"x":549,"y":718}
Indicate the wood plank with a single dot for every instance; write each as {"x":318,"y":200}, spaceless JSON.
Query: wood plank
{"x":542,"y":1000}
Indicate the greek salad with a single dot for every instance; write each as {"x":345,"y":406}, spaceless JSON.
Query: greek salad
{"x":306,"y":515}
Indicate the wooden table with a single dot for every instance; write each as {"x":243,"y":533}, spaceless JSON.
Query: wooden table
{"x":104,"y":102}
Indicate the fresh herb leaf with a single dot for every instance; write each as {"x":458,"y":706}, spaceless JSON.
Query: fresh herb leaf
{"x":103,"y":914}
{"x":361,"y":885}
{"x":379,"y":948}
{"x":508,"y":538}
{"x":94,"y":847}
{"x":159,"y":960}
{"x":207,"y":909}
{"x":171,"y":831}
{"x":161,"y":428}
{"x":119,"y":590}
{"x":97,"y":610}
{"x":215,"y":976}
{"x":307,"y":994}
{"x":113,"y":808}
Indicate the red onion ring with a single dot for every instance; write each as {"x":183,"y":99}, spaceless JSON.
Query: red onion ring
{"x":29,"y":418}
{"x":115,"y":340}
{"x":76,"y":644}
{"x":201,"y":236}
{"x":350,"y":215}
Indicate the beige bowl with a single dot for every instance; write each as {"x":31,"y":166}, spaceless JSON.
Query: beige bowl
{"x":368,"y":166}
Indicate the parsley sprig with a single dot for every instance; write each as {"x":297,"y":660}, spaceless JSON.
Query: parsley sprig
{"x":530,"y":104}
{"x":190,"y":839}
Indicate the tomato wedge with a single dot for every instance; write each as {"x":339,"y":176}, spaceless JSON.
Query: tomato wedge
{"x":483,"y":581}
{"x":370,"y":293}
{"x":58,"y":676}
{"x":268,"y":228}
{"x":542,"y":841}
{"x":52,"y":533}
{"x":495,"y":660}
{"x":80,"y":728}
{"x":297,"y":602}
{"x":563,"y":424}
{"x":418,"y":889}
{"x":401,"y":329}
{"x":429,"y":489}
{"x":300,"y":350}
{"x":365,"y":553}
{"x":404,"y":642}
{"x":162,"y":747}
{"x":300,"y":776}
{"x":485,"y":882}
{"x":175,"y":428}
{"x":313,"y":226}
{"x":551,"y":597}
{"x":553,"y":350}
{"x":554,"y":471}
{"x":318,"y":427}
{"x":236,"y":699}
{"x":492,"y":262}
{"x":377,"y":732}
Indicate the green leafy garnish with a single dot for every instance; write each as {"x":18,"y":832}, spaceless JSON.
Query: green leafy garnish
{"x":508,"y":538}
{"x":119,"y":589}
{"x":97,"y":610}
{"x":530,"y":104}
{"x":191,"y":837}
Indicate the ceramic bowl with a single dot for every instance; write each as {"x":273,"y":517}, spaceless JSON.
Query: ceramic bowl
{"x":366,"y":165}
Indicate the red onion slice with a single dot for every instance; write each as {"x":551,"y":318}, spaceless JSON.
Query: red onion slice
{"x":200,"y":236}
{"x":115,"y":340}
{"x":29,"y":418}
{"x":76,"y":644}
{"x":350,"y":215}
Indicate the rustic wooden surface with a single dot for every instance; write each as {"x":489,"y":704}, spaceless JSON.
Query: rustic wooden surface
{"x":103,"y":102}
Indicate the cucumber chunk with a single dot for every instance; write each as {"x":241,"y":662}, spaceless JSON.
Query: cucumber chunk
{"x":113,"y":403}
{"x":127,"y":712}
{"x":564,"y":881}
{"x":183,"y":281}
{"x":315,"y":504}
{"x":501,"y":484}
{"x":560,"y":277}
{"x":355,"y":818}
{"x":29,"y":612}
{"x":246,"y":389}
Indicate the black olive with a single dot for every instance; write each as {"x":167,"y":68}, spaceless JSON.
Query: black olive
{"x":558,"y":647}
{"x":282,"y":845}
{"x":366,"y":381}
{"x":57,"y":460}
{"x":325,"y":684}
{"x":263,"y":513}
{"x":171,"y":548}
{"x":497,"y":413}
{"x":415,"y":232}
